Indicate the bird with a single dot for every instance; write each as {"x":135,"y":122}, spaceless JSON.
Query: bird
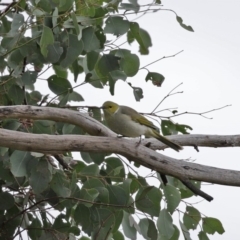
{"x":128,"y":122}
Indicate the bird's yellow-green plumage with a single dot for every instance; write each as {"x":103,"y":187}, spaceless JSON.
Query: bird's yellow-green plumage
{"x":129,"y":123}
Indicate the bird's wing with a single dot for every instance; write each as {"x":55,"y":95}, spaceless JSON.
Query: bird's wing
{"x":139,"y":118}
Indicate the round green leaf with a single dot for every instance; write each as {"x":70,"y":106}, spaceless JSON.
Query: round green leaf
{"x":58,"y":85}
{"x":130,"y":64}
{"x":116,"y":25}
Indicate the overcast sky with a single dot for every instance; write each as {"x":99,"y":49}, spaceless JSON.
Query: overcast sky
{"x":210,"y":73}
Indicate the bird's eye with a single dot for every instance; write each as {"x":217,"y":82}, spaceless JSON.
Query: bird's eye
{"x":110,"y":106}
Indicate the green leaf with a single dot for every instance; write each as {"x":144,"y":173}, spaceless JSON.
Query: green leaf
{"x":180,"y":21}
{"x":115,"y":169}
{"x":148,"y":229}
{"x":60,"y":71}
{"x":16,"y":94}
{"x":118,"y":236}
{"x":212,"y":225}
{"x":34,"y":229}
{"x":58,"y":85}
{"x":60,"y":184}
{"x":130,"y":64}
{"x":137,"y":92}
{"x":17,"y":22}
{"x":176,"y":233}
{"x":185,"y":231}
{"x":46,"y":39}
{"x":128,"y":229}
{"x":89,"y":195}
{"x":185,"y":192}
{"x":6,"y":201}
{"x":76,"y":69}
{"x":29,"y":77}
{"x":132,"y":6}
{"x":106,"y":64}
{"x":11,"y":124}
{"x":75,"y":47}
{"x":202,"y":236}
{"x":43,"y":126}
{"x":90,"y":39}
{"x":156,"y":78}
{"x":105,"y":224}
{"x":40,"y":176}
{"x":54,"y":52}
{"x":19,"y":161}
{"x":148,"y":200}
{"x":168,"y":127}
{"x":142,"y":37}
{"x":117,"y":195}
{"x":191,"y":217}
{"x":90,"y":170}
{"x":116,"y":25}
{"x":92,"y":58}
{"x":75,"y":96}
{"x":164,"y":225}
{"x":60,"y":224}
{"x":173,"y":197}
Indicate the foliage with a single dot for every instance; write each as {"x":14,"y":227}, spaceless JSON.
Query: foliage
{"x":101,"y":195}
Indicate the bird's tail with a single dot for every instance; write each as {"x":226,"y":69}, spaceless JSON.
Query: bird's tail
{"x":166,"y":141}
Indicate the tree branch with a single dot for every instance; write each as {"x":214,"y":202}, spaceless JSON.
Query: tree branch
{"x":180,"y":169}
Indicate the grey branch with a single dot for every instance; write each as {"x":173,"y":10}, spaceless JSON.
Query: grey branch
{"x":146,"y":156}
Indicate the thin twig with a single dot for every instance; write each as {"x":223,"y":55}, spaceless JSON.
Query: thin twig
{"x":168,"y":95}
{"x":161,"y":59}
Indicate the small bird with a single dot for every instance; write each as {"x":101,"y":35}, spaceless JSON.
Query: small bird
{"x":127,"y":122}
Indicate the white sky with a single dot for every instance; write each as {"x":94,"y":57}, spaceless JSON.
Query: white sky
{"x":209,"y":70}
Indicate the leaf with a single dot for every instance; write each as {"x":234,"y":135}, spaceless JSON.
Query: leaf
{"x":75,"y":96}
{"x":191,"y":217}
{"x":133,"y":5}
{"x":148,"y":200}
{"x":46,"y":39}
{"x":202,"y":236}
{"x":29,"y":77}
{"x":137,"y":92}
{"x":185,"y":231}
{"x":6,"y":201}
{"x":40,"y":176}
{"x":118,"y":236}
{"x":43,"y":126}
{"x":58,"y":85}
{"x":54,"y":52}
{"x":164,"y":225}
{"x":17,"y":22}
{"x":128,"y":229}
{"x":90,"y":39}
{"x":89,"y":195}
{"x":173,"y":197}
{"x":16,"y":94}
{"x":180,"y":21}
{"x":106,"y":64}
{"x":60,"y":184}
{"x":105,"y":224}
{"x":116,"y":25}
{"x":90,"y":170}
{"x":92,"y":58}
{"x":176,"y":233}
{"x":75,"y":47}
{"x":115,"y":169}
{"x":19,"y":161}
{"x":148,"y":229}
{"x":212,"y":225}
{"x":130,"y":64}
{"x":117,"y":195}
{"x":142,"y":37}
{"x":156,"y":78}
